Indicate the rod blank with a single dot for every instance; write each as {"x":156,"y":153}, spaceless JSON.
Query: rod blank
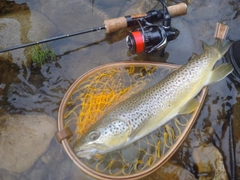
{"x":53,"y":39}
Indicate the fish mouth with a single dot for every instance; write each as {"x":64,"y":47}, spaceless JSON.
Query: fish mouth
{"x":88,"y":151}
{"x":88,"y":154}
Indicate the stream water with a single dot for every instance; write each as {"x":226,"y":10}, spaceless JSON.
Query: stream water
{"x":27,"y":88}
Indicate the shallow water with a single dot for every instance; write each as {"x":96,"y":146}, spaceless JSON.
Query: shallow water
{"x":29,"y":89}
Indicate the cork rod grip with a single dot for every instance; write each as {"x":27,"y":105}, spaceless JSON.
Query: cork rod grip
{"x":116,"y":24}
{"x":178,"y":10}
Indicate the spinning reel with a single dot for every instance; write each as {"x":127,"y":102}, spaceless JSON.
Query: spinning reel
{"x":150,"y":37}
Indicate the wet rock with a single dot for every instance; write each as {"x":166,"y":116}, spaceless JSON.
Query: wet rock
{"x":23,"y":27}
{"x":237,"y":157}
{"x":9,"y":72}
{"x":39,"y":172}
{"x":9,"y":32}
{"x":55,"y":158}
{"x":204,"y":23}
{"x":171,"y":171}
{"x":68,"y":12}
{"x":41,"y":27}
{"x":53,"y":164}
{"x":10,"y":36}
{"x":237,"y":151}
{"x":11,"y":6}
{"x":38,"y":96}
{"x":209,"y":162}
{"x":80,"y":64}
{"x":6,"y":175}
{"x":55,"y":169}
{"x":61,"y":170}
{"x":53,"y":154}
{"x":198,"y":138}
{"x":76,"y":173}
{"x":183,"y":46}
{"x":24,"y":95}
{"x":140,"y":6}
{"x":23,"y":139}
{"x":236,"y":134}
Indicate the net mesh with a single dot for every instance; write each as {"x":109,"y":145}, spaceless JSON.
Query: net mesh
{"x":112,"y":85}
{"x":103,"y":90}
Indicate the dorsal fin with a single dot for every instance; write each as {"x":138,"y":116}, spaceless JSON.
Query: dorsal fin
{"x":194,"y":55}
{"x":205,"y":45}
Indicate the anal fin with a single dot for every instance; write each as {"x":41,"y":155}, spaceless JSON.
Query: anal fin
{"x":189,"y":107}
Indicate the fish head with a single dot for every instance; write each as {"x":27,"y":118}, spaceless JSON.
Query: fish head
{"x":102,"y":138}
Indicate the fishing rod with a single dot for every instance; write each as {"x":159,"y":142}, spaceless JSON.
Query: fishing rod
{"x":53,"y":39}
{"x":115,"y":24}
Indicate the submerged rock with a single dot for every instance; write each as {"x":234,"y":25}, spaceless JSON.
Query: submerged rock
{"x":209,"y":162}
{"x":10,"y":36}
{"x":23,"y":27}
{"x":76,"y":15}
{"x":23,"y":139}
{"x":171,"y":171}
{"x":140,"y":6}
{"x":76,"y":174}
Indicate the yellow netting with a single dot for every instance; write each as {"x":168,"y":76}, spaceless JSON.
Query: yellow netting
{"x":103,"y":90}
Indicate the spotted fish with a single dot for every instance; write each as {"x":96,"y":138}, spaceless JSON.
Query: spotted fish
{"x":149,"y":109}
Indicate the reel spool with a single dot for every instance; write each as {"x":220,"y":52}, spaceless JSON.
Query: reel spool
{"x":150,"y":37}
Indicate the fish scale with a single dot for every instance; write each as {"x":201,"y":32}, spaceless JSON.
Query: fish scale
{"x":146,"y":111}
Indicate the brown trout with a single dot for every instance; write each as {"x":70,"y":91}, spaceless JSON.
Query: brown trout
{"x":149,"y":109}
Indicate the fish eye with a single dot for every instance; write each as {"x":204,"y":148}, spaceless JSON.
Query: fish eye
{"x":93,"y":135}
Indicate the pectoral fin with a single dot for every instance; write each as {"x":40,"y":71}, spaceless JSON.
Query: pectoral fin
{"x":220,"y":72}
{"x":189,"y":107}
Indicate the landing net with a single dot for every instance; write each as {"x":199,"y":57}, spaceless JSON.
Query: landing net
{"x":102,"y":90}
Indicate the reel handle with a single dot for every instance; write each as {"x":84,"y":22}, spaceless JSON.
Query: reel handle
{"x":115,"y":24}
